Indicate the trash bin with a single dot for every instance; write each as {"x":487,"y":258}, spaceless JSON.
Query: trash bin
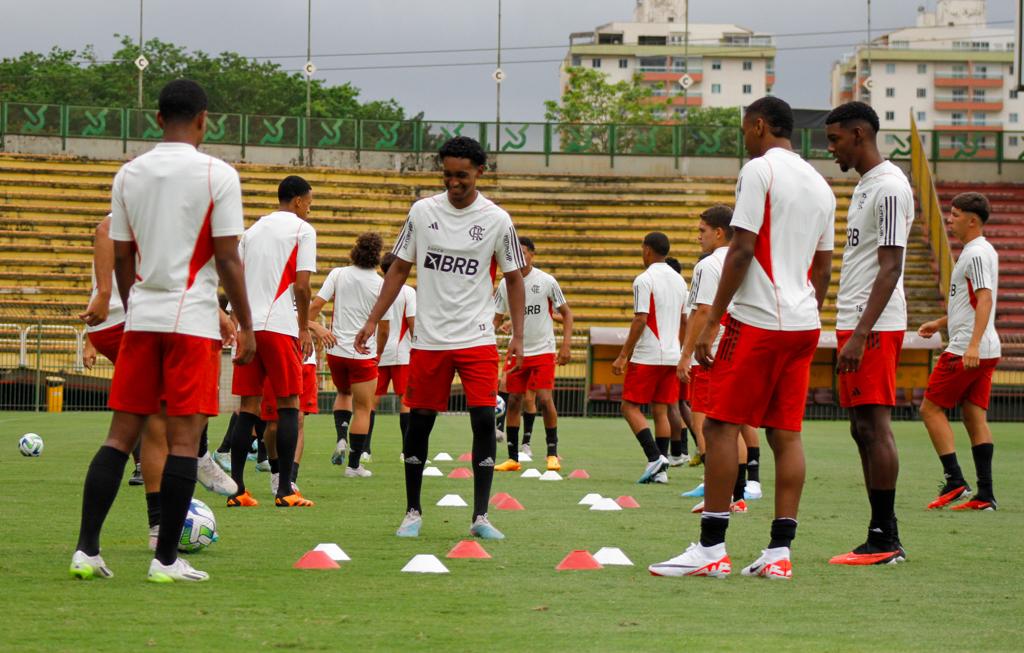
{"x":55,"y":394}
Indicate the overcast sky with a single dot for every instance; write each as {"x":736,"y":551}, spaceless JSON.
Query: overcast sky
{"x":272,"y":28}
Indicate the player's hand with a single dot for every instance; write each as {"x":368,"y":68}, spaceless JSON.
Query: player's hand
{"x":619,"y":366}
{"x":88,"y":355}
{"x":514,"y":354}
{"x":851,"y":354}
{"x":245,"y":347}
{"x":506,"y":327}
{"x":227,"y":330}
{"x":323,"y":334}
{"x":364,"y":335}
{"x":928,"y":329}
{"x":564,"y":356}
{"x":97,"y":310}
{"x":972,"y":357}
{"x":683,"y":370}
{"x":705,"y":341}
{"x":305,"y":343}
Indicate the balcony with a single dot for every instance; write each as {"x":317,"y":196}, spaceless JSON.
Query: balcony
{"x":974,"y":79}
{"x":692,"y":99}
{"x":965,"y":126}
{"x":671,"y":76}
{"x":946,"y":102}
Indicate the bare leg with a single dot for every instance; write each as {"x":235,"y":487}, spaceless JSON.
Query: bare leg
{"x":790,"y":471}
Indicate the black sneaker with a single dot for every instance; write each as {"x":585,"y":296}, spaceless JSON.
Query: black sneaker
{"x":136,"y":478}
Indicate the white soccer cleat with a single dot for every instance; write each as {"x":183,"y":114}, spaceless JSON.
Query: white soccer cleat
{"x":366,"y":457}
{"x":223,"y":459}
{"x":275,"y":482}
{"x":213,"y":478}
{"x":526,"y":449}
{"x":263,"y":466}
{"x":340,"y":449}
{"x":178,"y":571}
{"x":411,"y":524}
{"x":652,"y":469}
{"x":678,"y":461}
{"x":85,"y":567}
{"x":752,"y":490}
{"x":773,"y":564}
{"x":660,"y":477}
{"x":484,"y":529}
{"x":697,"y":560}
{"x":357,"y":472}
{"x":499,"y":435}
{"x":154,"y":535}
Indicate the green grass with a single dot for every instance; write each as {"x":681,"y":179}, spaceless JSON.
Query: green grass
{"x":959,"y":589}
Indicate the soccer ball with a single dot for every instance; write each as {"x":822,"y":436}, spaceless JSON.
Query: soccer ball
{"x":200,"y":529}
{"x":31,"y":445}
{"x":499,"y":408}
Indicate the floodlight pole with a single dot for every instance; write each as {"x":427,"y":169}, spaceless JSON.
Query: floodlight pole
{"x":870,"y":71}
{"x":497,"y":84}
{"x":309,"y":77}
{"x":140,"y":51}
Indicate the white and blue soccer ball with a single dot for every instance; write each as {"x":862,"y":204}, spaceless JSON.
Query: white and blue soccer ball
{"x":30,"y":445}
{"x":200,"y":529}
{"x":499,"y":408}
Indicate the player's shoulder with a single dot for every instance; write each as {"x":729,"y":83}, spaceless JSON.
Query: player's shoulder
{"x":758,"y":166}
{"x":427,"y":204}
{"x":891,"y":180}
{"x":486,"y":206}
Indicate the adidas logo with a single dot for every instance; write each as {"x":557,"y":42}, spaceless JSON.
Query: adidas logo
{"x":875,"y":530}
{"x":413,"y":460}
{"x":434,"y":226}
{"x":486,"y":462}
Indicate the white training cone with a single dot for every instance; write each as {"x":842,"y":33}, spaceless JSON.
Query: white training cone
{"x":425,"y":564}
{"x":432,"y":471}
{"x":530,"y":473}
{"x":452,"y":501}
{"x":443,"y":458}
{"x":590,"y":499}
{"x":611,"y":555}
{"x":334,"y":551}
{"x":551,"y":475}
{"x":606,"y":503}
{"x":525,"y":458}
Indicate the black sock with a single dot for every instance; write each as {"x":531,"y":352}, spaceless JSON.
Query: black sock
{"x":369,"y":434}
{"x":241,"y":444}
{"x":403,"y":425}
{"x":356,"y":446}
{"x":676,"y":447}
{"x":783,"y":533}
{"x":295,"y":472}
{"x":153,"y":508}
{"x":512,"y":434}
{"x":261,"y":447}
{"x":342,"y":418}
{"x":225,"y":444}
{"x":712,"y":528}
{"x":683,"y":443}
{"x":754,"y":464}
{"x":274,"y":467}
{"x":528,"y":419}
{"x":551,"y":436}
{"x":204,"y":443}
{"x":983,"y":467}
{"x":484,"y":449}
{"x":663,"y":445}
{"x":417,"y":439}
{"x":287,"y":441}
{"x":101,"y":483}
{"x":646,"y":441}
{"x":176,"y":488}
{"x":883,"y":514}
{"x":951,"y":468}
{"x":741,"y":483}
{"x":500,"y":422}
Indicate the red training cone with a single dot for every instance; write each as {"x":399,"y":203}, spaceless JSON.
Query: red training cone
{"x":465,"y":458}
{"x":510,"y":503}
{"x":460,"y":472}
{"x":627,"y":502}
{"x":316,"y":560}
{"x":578,"y":560}
{"x":579,"y":473}
{"x":468,"y":549}
{"x":499,"y":497}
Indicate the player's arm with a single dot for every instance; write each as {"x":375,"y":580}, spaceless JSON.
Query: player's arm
{"x":982,"y":312}
{"x":734,"y":270}
{"x":302,"y":295}
{"x":383,"y":332}
{"x":636,"y":329}
{"x":565,"y":353}
{"x":694,"y":326}
{"x":229,"y":268}
{"x":103,"y":264}
{"x":228,"y":330}
{"x":396,"y":277}
{"x":88,"y":354}
{"x":821,"y":275}
{"x":124,"y":269}
{"x":928,"y":329}
{"x":890,"y":267}
{"x":516,"y":290}
{"x":323,"y":334}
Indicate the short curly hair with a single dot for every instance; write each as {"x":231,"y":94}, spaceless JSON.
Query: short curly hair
{"x":463,"y":147}
{"x":366,"y":252}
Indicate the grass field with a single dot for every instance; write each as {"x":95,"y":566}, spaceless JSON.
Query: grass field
{"x":958,"y":591}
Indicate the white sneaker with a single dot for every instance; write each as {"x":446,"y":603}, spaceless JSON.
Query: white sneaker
{"x":154,"y":534}
{"x":357,"y":472}
{"x":499,"y":435}
{"x":526,"y":449}
{"x":340,"y":449}
{"x":652,"y":469}
{"x":678,"y":461}
{"x":213,"y":478}
{"x":263,"y":466}
{"x":773,"y":563}
{"x":275,"y":481}
{"x":366,"y":457}
{"x":697,"y":560}
{"x":223,"y":459}
{"x":411,"y":524}
{"x":752,"y":490}
{"x":660,"y":477}
{"x":179,"y":570}
{"x":85,"y":567}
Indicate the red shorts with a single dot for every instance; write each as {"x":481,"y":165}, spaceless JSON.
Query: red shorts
{"x":397,"y":376}
{"x":536,"y":373}
{"x":307,"y":400}
{"x":874,"y":382}
{"x":700,"y":389}
{"x":950,"y":384}
{"x":278,"y":359}
{"x":684,"y":390}
{"x":183,"y":371}
{"x":431,"y":374}
{"x":760,"y":377}
{"x":651,"y":384}
{"x":107,"y":341}
{"x":346,"y":371}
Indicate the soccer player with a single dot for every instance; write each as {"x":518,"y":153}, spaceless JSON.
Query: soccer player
{"x":354,"y":290}
{"x":393,"y":368}
{"x":279,"y":253}
{"x":537,"y":372}
{"x":872,"y":317}
{"x":456,"y":239}
{"x":652,"y":352}
{"x":963,"y":375}
{"x":679,"y":415}
{"x":182,"y":211}
{"x":775,"y":276}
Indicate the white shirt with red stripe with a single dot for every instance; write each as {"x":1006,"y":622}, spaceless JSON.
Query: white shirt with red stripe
{"x":172,"y":202}
{"x":789,"y":205}
{"x":273,"y":251}
{"x":660,"y":292}
{"x":977,"y":268}
{"x":880,"y":215}
{"x":354,"y":291}
{"x":706,"y":276}
{"x":397,"y":349}
{"x":543,"y":298}
{"x":457,"y":253}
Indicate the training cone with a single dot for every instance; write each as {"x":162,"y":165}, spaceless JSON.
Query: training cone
{"x":606,"y":504}
{"x":611,"y":555}
{"x":334,"y":551}
{"x":460,"y":472}
{"x":530,"y":473}
{"x":510,"y":503}
{"x":578,"y":560}
{"x":550,"y":475}
{"x":443,"y":458}
{"x":425,"y":564}
{"x":452,"y":501}
{"x":465,"y":458}
{"x":590,"y":499}
{"x":525,"y":458}
{"x":432,"y":471}
{"x":316,"y":560}
{"x":627,"y":502}
{"x":498,"y":498}
{"x":579,"y":473}
{"x":468,"y":549}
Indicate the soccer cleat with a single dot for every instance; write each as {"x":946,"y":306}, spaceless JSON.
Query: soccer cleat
{"x":213,"y":478}
{"x":483,"y":529}
{"x":871,"y":554}
{"x":773,"y":564}
{"x":243,"y":500}
{"x":136,"y":477}
{"x":977,"y":504}
{"x":678,"y":461}
{"x":223,"y":458}
{"x":338,"y":457}
{"x":508,"y":466}
{"x":293,"y":501}
{"x":357,"y":472}
{"x":695,"y":492}
{"x":526,"y":449}
{"x":696,"y":460}
{"x":178,"y":571}
{"x":84,"y":567}
{"x":698,"y":508}
{"x":263,"y":466}
{"x":738,"y":506}
{"x":499,"y":435}
{"x":411,"y":524}
{"x":752,"y":491}
{"x":653,"y":467}
{"x":660,"y":477}
{"x":554,"y":464}
{"x":366,"y":457}
{"x":154,"y":534}
{"x":949,"y":492}
{"x":697,"y":560}
{"x":275,"y":481}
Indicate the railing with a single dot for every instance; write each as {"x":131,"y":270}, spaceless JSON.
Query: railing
{"x":964,"y":74}
{"x":931,"y":208}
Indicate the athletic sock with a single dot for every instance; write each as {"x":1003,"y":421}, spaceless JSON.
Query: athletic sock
{"x":646,"y":441}
{"x":295,"y":472}
{"x":500,"y":422}
{"x":403,"y":424}
{"x":176,"y":487}
{"x":342,"y":418}
{"x":528,"y":419}
{"x":551,"y":436}
{"x":676,"y":447}
{"x":356,"y":446}
{"x":369,"y":434}
{"x":261,"y":447}
{"x":241,"y":443}
{"x":683,"y":443}
{"x":754,"y":464}
{"x":663,"y":445}
{"x":204,"y":443}
{"x":712,"y":528}
{"x":741,"y":482}
{"x":101,"y":484}
{"x":417,"y":439}
{"x":983,"y":467}
{"x":274,"y":467}
{"x":783,"y":532}
{"x":951,"y":468}
{"x":484,"y":449}
{"x":287,"y":441}
{"x":883,"y":516}
{"x":153,"y":508}
{"x":512,"y":435}
{"x":225,"y":444}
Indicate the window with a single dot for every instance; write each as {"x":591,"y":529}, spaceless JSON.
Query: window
{"x":716,"y":64}
{"x":890,"y":68}
{"x":981,"y":72}
{"x":1013,"y":94}
{"x":716,"y":89}
{"x":900,"y":44}
{"x":577,"y":61}
{"x":1013,"y":141}
{"x":890,"y":115}
{"x":959,"y":94}
{"x":623,"y":63}
{"x":980,"y":118}
{"x":595,"y":63}
{"x":748,"y":65}
{"x":609,"y":39}
{"x":652,"y":64}
{"x":922,"y":92}
{"x":890,"y":92}
{"x":922,"y":116}
{"x":1014,"y":118}
{"x":979,"y":94}
{"x":747,"y":90}
{"x":652,"y":40}
{"x":922,"y":69}
{"x":957,"y":118}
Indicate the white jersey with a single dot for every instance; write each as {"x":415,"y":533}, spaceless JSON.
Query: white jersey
{"x":397,"y":349}
{"x":172,"y":202}
{"x":543,"y":297}
{"x":787,"y":203}
{"x":880,"y":214}
{"x":354,"y":291}
{"x":975,"y":269}
{"x":457,"y":252}
{"x":660,"y":292}
{"x":706,"y":275}
{"x":115,"y":309}
{"x":273,"y":251}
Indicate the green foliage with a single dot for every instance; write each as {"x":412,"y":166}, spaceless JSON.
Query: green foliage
{"x":590,"y":98}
